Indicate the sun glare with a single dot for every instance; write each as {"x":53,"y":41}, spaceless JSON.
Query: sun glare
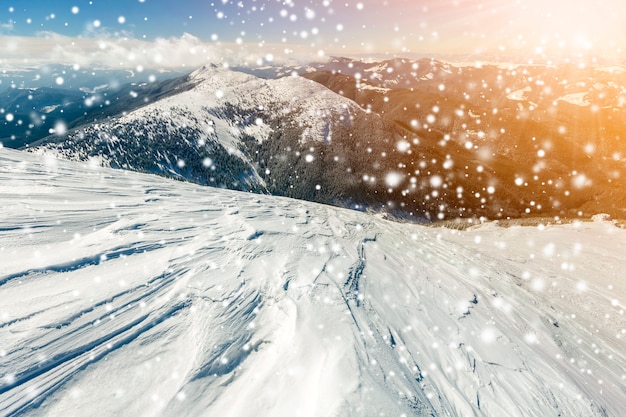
{"x":580,"y":28}
{"x":553,"y":29}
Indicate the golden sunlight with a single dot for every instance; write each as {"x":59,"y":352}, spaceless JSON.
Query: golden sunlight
{"x":562,"y":28}
{"x":549,"y":30}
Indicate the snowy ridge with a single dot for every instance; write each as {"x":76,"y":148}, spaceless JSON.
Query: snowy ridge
{"x":309,"y":103}
{"x":127,"y":294}
{"x":184,"y":134}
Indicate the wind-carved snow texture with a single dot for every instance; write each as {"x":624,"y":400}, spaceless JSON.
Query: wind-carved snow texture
{"x":124,"y":294}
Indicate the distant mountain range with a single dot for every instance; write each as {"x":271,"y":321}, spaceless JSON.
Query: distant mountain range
{"x":37,"y":112}
{"x":420,"y":139}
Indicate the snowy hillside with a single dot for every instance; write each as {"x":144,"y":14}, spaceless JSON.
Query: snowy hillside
{"x":199,"y":131}
{"x":124,"y":294}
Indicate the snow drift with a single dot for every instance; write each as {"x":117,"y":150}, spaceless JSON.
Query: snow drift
{"x":127,"y":294}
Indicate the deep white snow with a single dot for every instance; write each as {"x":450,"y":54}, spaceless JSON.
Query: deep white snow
{"x":124,"y":294}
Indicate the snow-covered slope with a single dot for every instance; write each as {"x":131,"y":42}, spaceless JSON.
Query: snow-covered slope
{"x":124,"y":294}
{"x":199,"y":130}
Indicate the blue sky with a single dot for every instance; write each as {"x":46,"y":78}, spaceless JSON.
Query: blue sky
{"x":539,"y":29}
{"x":268,"y":20}
{"x":152,"y":18}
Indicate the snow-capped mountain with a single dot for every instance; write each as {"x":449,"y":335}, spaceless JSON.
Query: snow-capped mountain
{"x":127,"y":294}
{"x":459,"y":142}
{"x":88,"y":79}
{"x":602,"y":86}
{"x":289,"y":136}
{"x":211,"y":129}
{"x":392,"y":73}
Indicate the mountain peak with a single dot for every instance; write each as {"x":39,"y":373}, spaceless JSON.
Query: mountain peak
{"x":202,"y":72}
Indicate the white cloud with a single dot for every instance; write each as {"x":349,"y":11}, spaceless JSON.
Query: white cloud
{"x":125,"y":52}
{"x":6,"y":27}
